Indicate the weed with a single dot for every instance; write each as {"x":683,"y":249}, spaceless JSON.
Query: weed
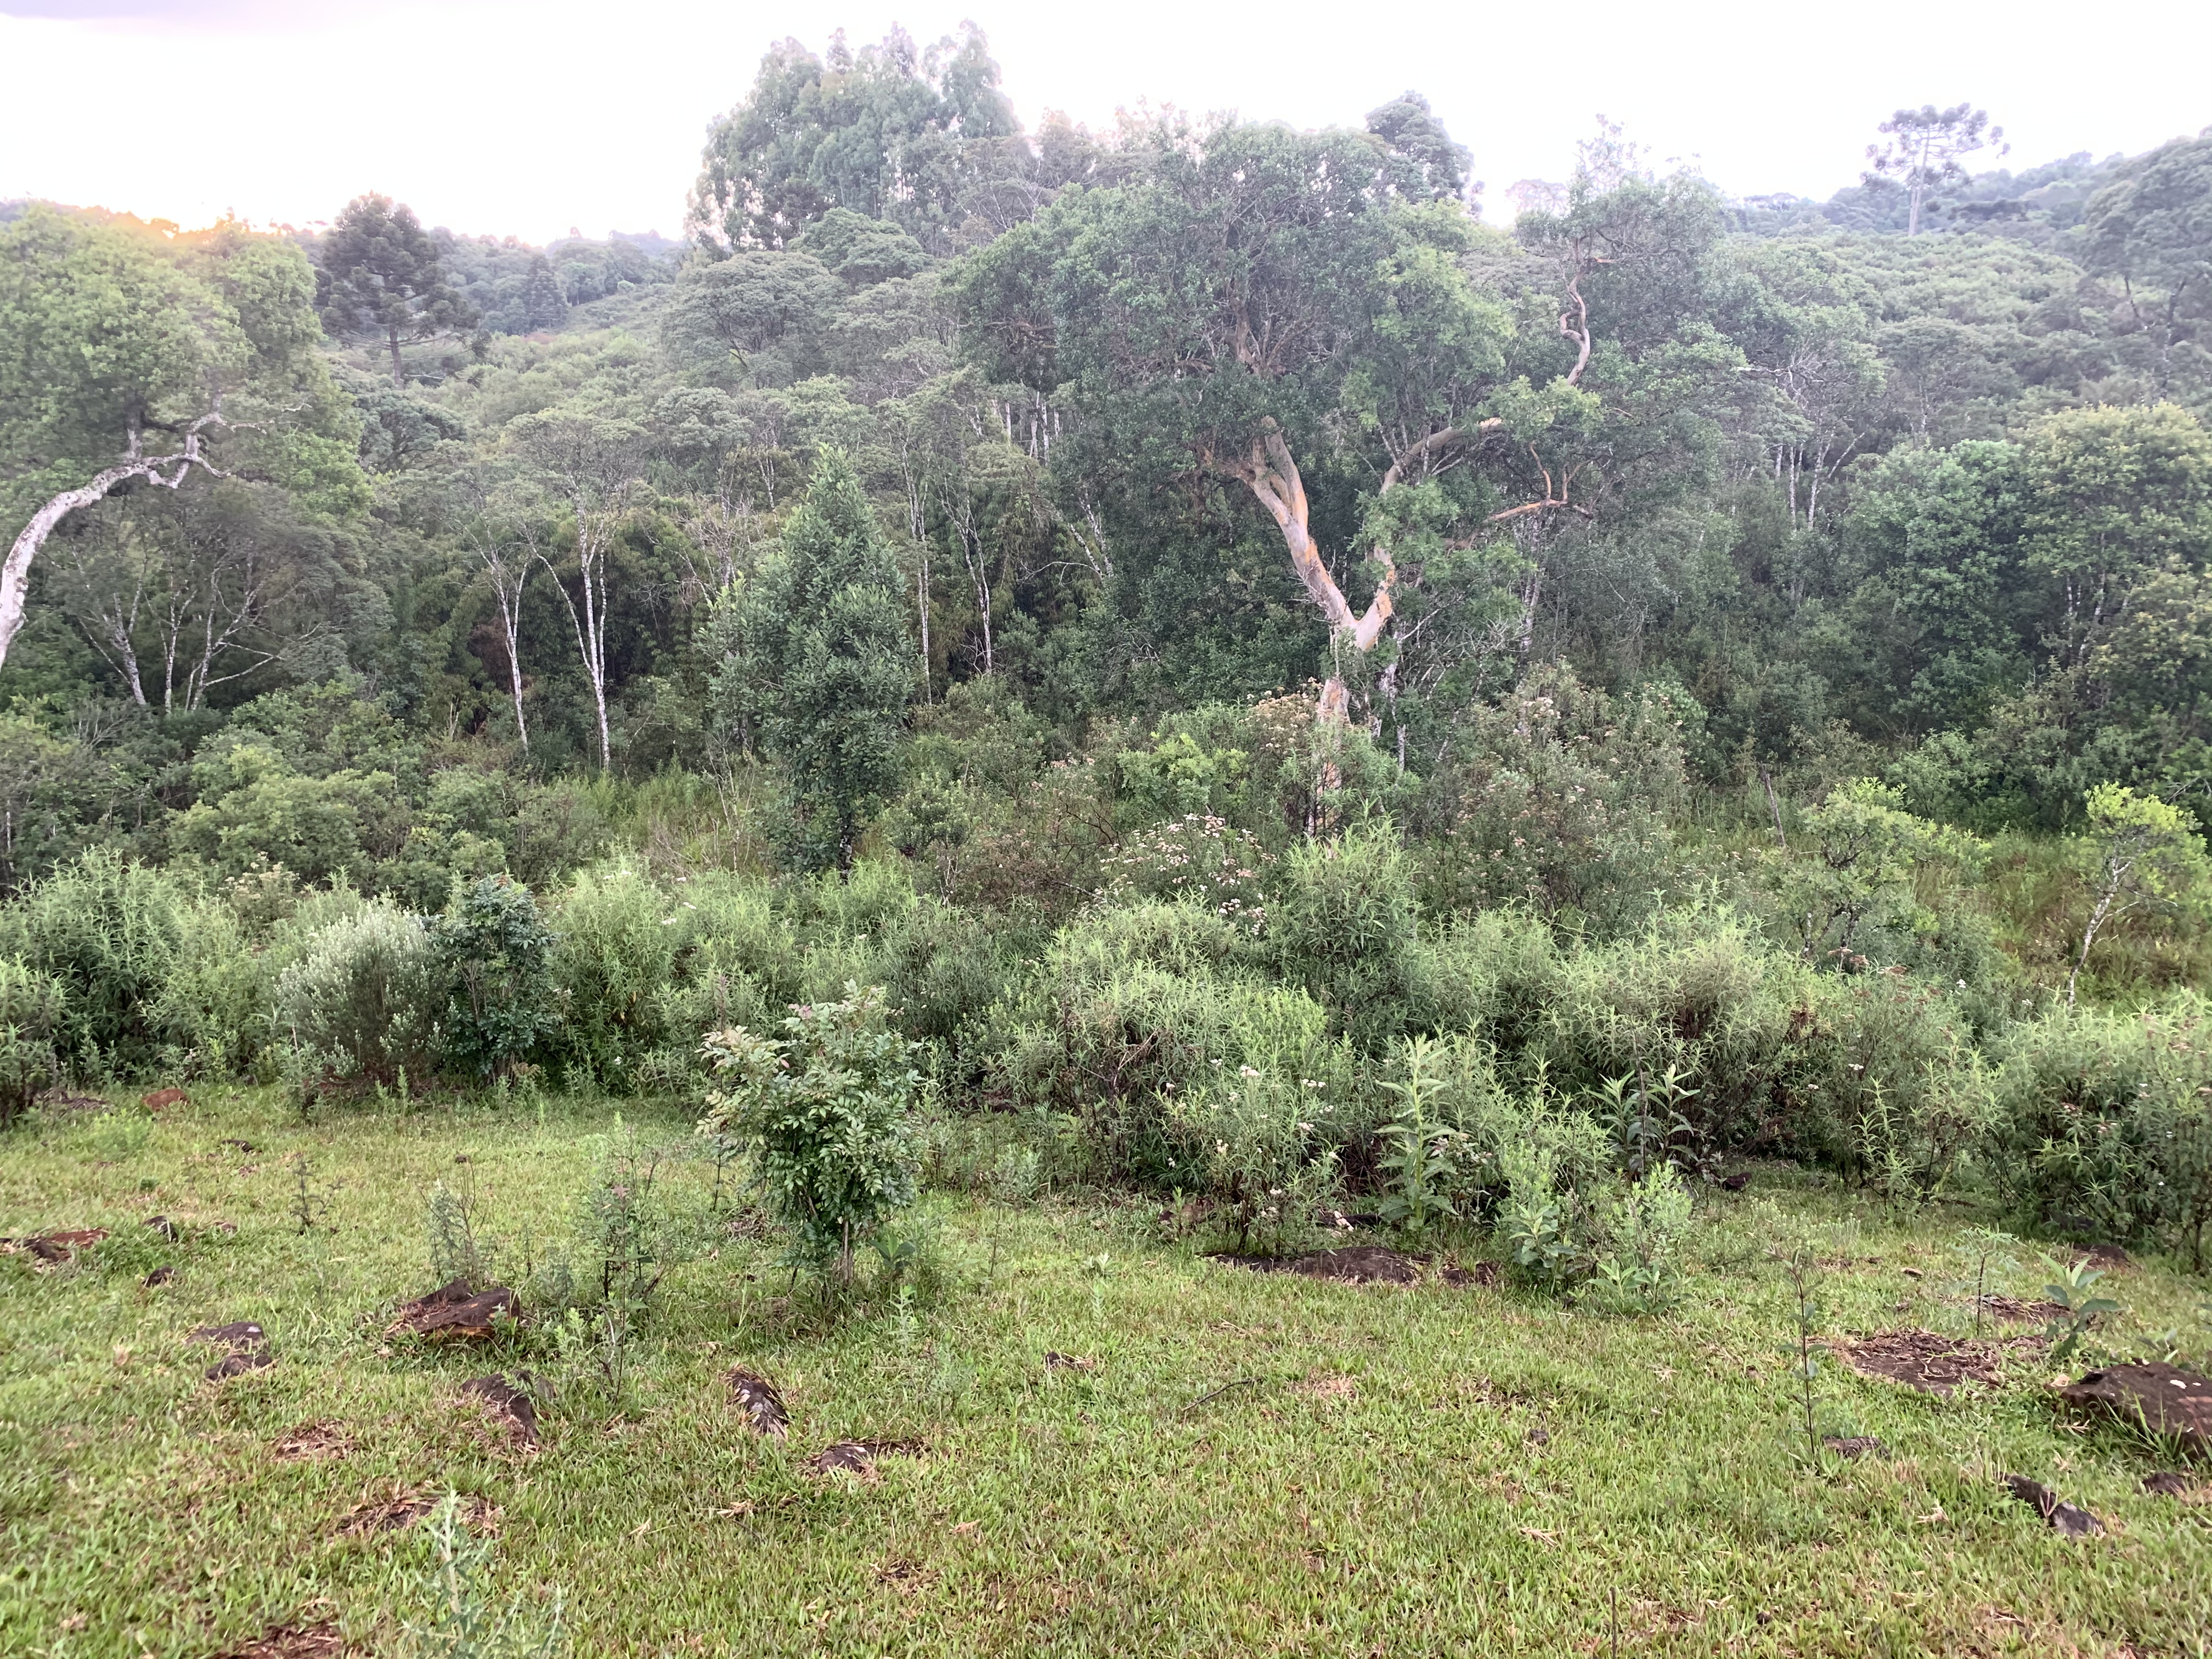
{"x":454,"y":1252}
{"x":1422,"y":1163}
{"x":463,"y":1624}
{"x":1983,"y":1248}
{"x":2075,"y":1291}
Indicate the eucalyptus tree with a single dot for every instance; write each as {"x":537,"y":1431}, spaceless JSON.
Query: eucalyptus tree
{"x":592,"y":466}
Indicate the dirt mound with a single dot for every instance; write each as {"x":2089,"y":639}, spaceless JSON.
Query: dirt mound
{"x":60,"y":1246}
{"x":457,"y":1313}
{"x":757,"y":1398}
{"x":238,"y":1363}
{"x":2173,"y":1482}
{"x":1934,"y":1365}
{"x":510,"y":1407}
{"x":2160,"y":1398}
{"x":240,"y":1333}
{"x":2069,"y":1520}
{"x":399,"y":1507}
{"x":2011,"y":1308}
{"x":1355,"y":1264}
{"x":859,"y":1456}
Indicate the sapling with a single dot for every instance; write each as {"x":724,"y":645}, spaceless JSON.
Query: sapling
{"x":1800,"y":1267}
{"x":2075,"y":1291}
{"x":1985,"y":1248}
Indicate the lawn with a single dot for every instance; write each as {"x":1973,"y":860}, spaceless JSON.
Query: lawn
{"x":1233,"y":1463}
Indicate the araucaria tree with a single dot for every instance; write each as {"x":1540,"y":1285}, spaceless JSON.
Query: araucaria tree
{"x":1928,"y":149}
{"x":381,"y":276}
{"x":820,"y":662}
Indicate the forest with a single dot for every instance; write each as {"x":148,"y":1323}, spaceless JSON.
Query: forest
{"x":1021,"y":725}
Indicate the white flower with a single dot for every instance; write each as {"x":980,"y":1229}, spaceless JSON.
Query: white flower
{"x":1246,"y":1071}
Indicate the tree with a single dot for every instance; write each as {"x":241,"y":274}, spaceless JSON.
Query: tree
{"x":2154,"y":230}
{"x":2140,"y":856}
{"x":1928,"y":148}
{"x":592,"y":466}
{"x":821,"y":664}
{"x":125,"y":359}
{"x":381,"y":275}
{"x":504,"y":549}
{"x":889,"y":131}
{"x":543,"y":305}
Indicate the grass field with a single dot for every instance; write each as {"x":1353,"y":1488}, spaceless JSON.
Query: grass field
{"x":1243,"y":1463}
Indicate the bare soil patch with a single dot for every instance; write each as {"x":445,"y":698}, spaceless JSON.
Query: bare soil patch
{"x":1934,"y":1365}
{"x":399,"y":1507}
{"x":1355,"y":1264}
{"x":320,"y":1641}
{"x":317,"y":1441}
{"x":509,"y":1405}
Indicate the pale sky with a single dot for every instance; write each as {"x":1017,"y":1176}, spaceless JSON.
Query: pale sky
{"x":527,"y":117}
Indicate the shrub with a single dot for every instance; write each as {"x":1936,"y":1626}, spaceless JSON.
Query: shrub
{"x":617,"y":955}
{"x":110,"y":931}
{"x":493,"y":949}
{"x":1637,"y":1241}
{"x":30,"y":1012}
{"x":364,"y":995}
{"x":1245,"y":1143}
{"x":215,"y":1004}
{"x":826,"y":1110}
{"x":2103,"y":1124}
{"x":1343,"y":928}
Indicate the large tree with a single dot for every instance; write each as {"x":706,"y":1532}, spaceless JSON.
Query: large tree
{"x":381,"y":275}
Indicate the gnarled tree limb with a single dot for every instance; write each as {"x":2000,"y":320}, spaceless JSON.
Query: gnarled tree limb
{"x":15,"y":574}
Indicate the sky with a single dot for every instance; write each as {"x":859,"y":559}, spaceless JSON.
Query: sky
{"x":530,"y":117}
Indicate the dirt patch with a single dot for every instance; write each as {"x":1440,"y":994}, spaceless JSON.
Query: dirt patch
{"x":1934,"y":1365}
{"x":860,"y":1457}
{"x":2161,"y":1399}
{"x":2174,"y":1483}
{"x":1068,"y":1361}
{"x":1852,"y":1447}
{"x":61,"y":1100}
{"x":1331,"y":1390}
{"x":509,"y":1405}
{"x":2111,"y":1257}
{"x":318,"y":1441}
{"x":400,"y":1507}
{"x":757,"y":1398}
{"x":457,"y":1313}
{"x":2069,"y":1520}
{"x":1355,"y":1264}
{"x":61,"y":1246}
{"x":159,"y":1276}
{"x":2012,"y":1309}
{"x":1484,"y":1275}
{"x":291,"y":1642}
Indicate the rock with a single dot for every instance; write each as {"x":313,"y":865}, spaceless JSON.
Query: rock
{"x":161,"y":1275}
{"x":762,"y":1406}
{"x":2068,"y":1520}
{"x":2154,"y":1395}
{"x":455,"y":1313}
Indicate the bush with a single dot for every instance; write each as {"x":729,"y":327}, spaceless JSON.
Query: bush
{"x":214,"y":1005}
{"x":2103,"y":1124}
{"x":30,"y":1012}
{"x":1135,"y":1004}
{"x":826,"y":1110}
{"x":1343,"y":928}
{"x":615,"y":958}
{"x":493,"y":949}
{"x":363,"y":997}
{"x":1246,"y":1143}
{"x":110,"y":930}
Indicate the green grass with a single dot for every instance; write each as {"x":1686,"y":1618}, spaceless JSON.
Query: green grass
{"x":1370,"y":1485}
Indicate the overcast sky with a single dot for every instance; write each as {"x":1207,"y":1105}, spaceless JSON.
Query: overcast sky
{"x":527,"y":117}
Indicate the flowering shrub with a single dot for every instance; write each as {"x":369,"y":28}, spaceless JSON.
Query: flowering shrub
{"x":1199,"y":857}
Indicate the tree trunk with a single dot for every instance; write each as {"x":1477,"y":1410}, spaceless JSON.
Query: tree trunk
{"x":398,"y":377}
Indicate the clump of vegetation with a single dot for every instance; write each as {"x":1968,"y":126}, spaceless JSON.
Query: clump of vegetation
{"x":827,"y":1111}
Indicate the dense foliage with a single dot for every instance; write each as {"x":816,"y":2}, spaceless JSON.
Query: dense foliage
{"x":1282,"y":683}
